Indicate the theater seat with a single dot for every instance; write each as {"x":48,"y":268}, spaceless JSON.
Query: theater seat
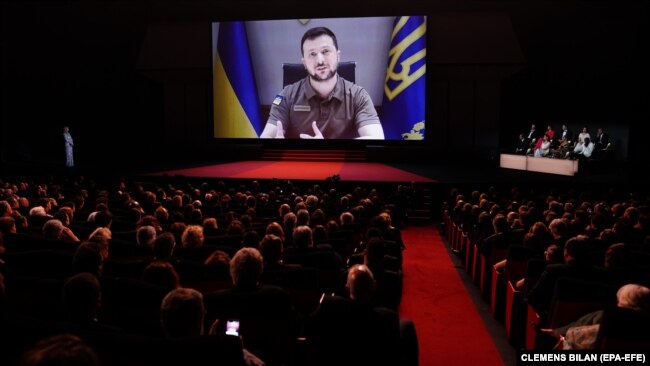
{"x":572,"y":298}
{"x":624,"y":329}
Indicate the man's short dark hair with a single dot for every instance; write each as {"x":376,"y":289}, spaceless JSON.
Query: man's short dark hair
{"x":315,"y":33}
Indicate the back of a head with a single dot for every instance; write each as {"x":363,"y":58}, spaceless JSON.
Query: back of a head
{"x":246,"y":268}
{"x":271,"y":248}
{"x":500,"y":223}
{"x":163,"y":246}
{"x":88,"y":258}
{"x":361,"y":283}
{"x":103,"y":219}
{"x":193,"y":236}
{"x":60,"y":350}
{"x":161,"y":273}
{"x":577,"y":248}
{"x":218,"y":265}
{"x":182,"y":313}
{"x":7,"y":225}
{"x":289,"y":221}
{"x":617,"y":257}
{"x":275,"y":229}
{"x":633,"y":296}
{"x":251,"y":239}
{"x":303,"y":216}
{"x":302,"y":237}
{"x":558,"y":227}
{"x":375,"y":252}
{"x":380,"y":222}
{"x":52,"y":229}
{"x":145,"y":235}
{"x":81,"y":295}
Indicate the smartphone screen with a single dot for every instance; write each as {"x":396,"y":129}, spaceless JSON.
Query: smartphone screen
{"x":232,"y":327}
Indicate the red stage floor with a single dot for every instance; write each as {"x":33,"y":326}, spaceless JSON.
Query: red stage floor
{"x":350,"y":171}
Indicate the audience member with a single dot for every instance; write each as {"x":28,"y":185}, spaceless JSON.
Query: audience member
{"x":575,"y":266}
{"x":182,"y":314}
{"x":55,"y":230}
{"x":88,"y":258}
{"x":161,"y":273}
{"x":351,"y":330}
{"x":193,"y":237}
{"x":60,"y":349}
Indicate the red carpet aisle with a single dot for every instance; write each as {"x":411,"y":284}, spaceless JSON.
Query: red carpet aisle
{"x":449,"y":328}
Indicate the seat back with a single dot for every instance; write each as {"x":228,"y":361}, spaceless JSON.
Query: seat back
{"x":573,"y":298}
{"x":624,"y":329}
{"x":292,"y":72}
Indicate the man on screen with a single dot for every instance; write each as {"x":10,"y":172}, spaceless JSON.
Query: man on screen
{"x":323,"y":105}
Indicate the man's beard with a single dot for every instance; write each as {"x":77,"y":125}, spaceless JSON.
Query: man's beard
{"x":316,"y":77}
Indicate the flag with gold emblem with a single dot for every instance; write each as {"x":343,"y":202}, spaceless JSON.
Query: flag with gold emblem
{"x":403,"y":108}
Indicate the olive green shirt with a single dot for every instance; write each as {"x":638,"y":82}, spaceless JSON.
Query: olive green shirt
{"x":338,"y":117}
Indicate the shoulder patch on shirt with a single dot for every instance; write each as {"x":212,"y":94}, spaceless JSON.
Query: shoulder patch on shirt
{"x":278,"y":99}
{"x":301,"y":108}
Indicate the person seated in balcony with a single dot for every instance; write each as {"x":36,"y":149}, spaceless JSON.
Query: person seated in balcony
{"x":550,"y":132}
{"x":584,"y":150}
{"x":522,"y":145}
{"x":544,"y":147}
{"x":532,"y":134}
{"x":584,"y":133}
{"x":602,"y":138}
{"x":566,"y":135}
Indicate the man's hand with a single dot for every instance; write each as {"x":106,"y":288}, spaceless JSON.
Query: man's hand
{"x":317,"y":133}
{"x":279,"y":132}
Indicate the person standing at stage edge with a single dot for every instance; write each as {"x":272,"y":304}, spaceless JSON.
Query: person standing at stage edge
{"x":323,"y":105}
{"x":69,"y":156}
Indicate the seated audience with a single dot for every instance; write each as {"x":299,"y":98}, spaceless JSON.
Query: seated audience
{"x":182,"y":314}
{"x":582,"y":333}
{"x":351,"y":330}
{"x":575,"y":266}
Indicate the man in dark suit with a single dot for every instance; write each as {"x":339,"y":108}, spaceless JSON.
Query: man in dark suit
{"x":532,"y":135}
{"x":522,"y":144}
{"x":566,"y":134}
{"x":602,"y":139}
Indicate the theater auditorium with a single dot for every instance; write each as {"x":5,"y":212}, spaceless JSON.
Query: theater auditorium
{"x":292,"y":183}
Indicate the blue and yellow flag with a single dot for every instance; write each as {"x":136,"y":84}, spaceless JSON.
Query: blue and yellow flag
{"x":236,"y":105}
{"x":405,"y":87}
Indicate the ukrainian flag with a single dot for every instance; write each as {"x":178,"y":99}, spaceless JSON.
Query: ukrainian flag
{"x":403,"y":110}
{"x":236,"y":105}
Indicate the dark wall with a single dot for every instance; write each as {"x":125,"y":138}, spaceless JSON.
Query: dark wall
{"x":133,"y":79}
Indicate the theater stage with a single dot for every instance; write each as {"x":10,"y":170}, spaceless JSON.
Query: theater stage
{"x":301,"y":170}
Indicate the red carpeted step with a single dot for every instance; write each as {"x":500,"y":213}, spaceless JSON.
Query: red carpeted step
{"x":314,"y":155}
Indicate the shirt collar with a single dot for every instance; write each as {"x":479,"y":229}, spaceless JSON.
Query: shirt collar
{"x":338,"y":92}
